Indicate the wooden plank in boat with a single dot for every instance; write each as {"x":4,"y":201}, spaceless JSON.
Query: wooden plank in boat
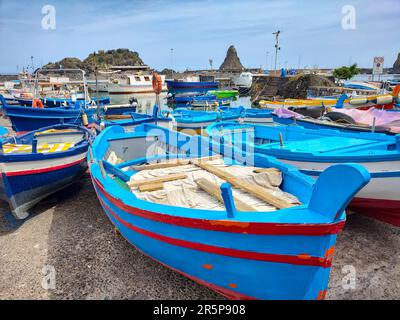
{"x":266,"y":170}
{"x":162,"y":165}
{"x":215,"y":191}
{"x":172,"y":163}
{"x":253,"y":189}
{"x":151,"y":187}
{"x":170,"y":177}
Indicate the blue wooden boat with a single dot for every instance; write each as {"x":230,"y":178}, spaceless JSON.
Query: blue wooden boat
{"x":180,"y":86}
{"x":314,"y":150}
{"x":240,"y":254}
{"x":62,"y":102}
{"x":119,"y":109}
{"x":25,"y":119}
{"x":39,"y":163}
{"x":131,"y":120}
{"x":197,"y":120}
{"x":252,"y":115}
{"x":341,"y":123}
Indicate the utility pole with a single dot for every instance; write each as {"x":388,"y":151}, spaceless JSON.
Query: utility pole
{"x":299,"y":62}
{"x":211,"y":63}
{"x":33,"y":68}
{"x":172,"y":62}
{"x":277,"y":47}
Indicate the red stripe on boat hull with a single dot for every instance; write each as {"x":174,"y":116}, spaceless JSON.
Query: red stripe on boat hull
{"x":384,"y":210}
{"x":42,"y":170}
{"x":228,"y":226}
{"x":234,"y":253}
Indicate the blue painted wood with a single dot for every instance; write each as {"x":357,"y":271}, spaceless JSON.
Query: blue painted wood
{"x":226,"y":193}
{"x":201,"y":243}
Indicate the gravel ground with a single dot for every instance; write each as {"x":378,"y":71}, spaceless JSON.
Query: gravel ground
{"x":69,"y":232}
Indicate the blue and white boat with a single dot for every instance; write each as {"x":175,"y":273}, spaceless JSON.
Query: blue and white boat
{"x":39,"y":163}
{"x":197,"y":120}
{"x":312,"y":151}
{"x":131,"y":120}
{"x":252,"y":115}
{"x":62,"y":102}
{"x":25,"y":119}
{"x":212,"y":236}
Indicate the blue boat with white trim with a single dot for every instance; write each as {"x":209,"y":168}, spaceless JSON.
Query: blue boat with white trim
{"x":25,"y":119}
{"x":241,"y":254}
{"x":39,"y":163}
{"x":312,"y":151}
{"x":197,"y":120}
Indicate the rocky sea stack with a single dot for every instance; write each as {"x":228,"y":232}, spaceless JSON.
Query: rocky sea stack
{"x":232,"y":61}
{"x":396,"y":66}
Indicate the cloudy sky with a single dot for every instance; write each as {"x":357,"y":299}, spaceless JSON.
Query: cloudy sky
{"x":312,"y":31}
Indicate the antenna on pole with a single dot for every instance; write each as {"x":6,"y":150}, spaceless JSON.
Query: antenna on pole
{"x":172,"y":62}
{"x":33,"y":67}
{"x":277,"y":47}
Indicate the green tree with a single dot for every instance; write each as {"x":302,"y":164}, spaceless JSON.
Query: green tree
{"x":346,"y":73}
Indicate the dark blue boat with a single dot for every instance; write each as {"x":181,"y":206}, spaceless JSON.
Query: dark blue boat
{"x":61,"y":102}
{"x":24,"y":119}
{"x":179,"y":86}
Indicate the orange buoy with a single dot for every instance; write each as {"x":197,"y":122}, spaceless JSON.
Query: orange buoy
{"x":37,"y":103}
{"x":157,"y":83}
{"x":396,"y":91}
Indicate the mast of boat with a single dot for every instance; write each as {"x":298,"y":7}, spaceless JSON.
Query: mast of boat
{"x":97,"y":92}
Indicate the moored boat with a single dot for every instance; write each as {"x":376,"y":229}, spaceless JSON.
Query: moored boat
{"x":211,"y":236}
{"x":130,"y":120}
{"x":312,"y":151}
{"x":39,"y":163}
{"x":337,"y":120}
{"x":224,"y":93}
{"x":191,"y":86}
{"x":198,"y":120}
{"x":62,"y":102}
{"x":238,"y":253}
{"x":25,"y":119}
{"x":134,"y":84}
{"x":251,"y":115}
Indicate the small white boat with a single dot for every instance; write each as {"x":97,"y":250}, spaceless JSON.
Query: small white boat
{"x":134,"y":84}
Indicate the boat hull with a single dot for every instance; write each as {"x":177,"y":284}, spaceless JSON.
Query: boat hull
{"x":218,"y":264}
{"x":379,"y":199}
{"x":315,"y":124}
{"x":191,"y":86}
{"x":22,"y":188}
{"x":132,"y":89}
{"x":24,"y":119}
